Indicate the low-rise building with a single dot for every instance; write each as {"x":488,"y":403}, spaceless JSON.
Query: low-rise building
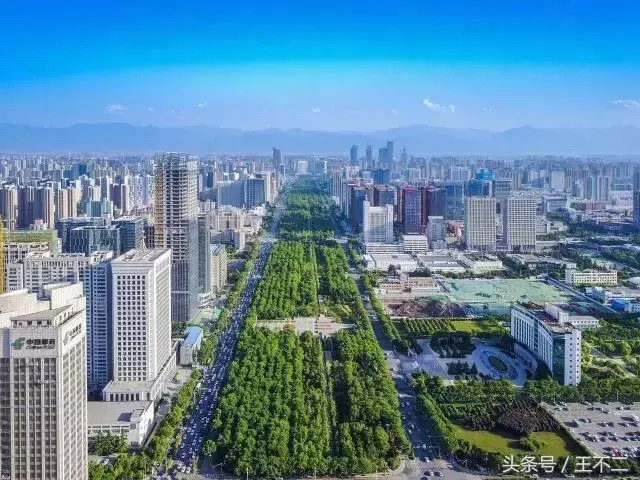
{"x":481,"y":262}
{"x":385,"y":248}
{"x":539,"y":261}
{"x":131,"y":420}
{"x":190,"y":345}
{"x":402,"y":261}
{"x":557,"y":345}
{"x":407,"y":286}
{"x":441,"y":264}
{"x":415,"y":244}
{"x":591,"y":277}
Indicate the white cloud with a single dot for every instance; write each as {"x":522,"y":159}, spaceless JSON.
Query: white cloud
{"x":436,"y":107}
{"x":114,"y":108}
{"x":315,"y":110}
{"x":625,"y":104}
{"x":201,"y":105}
{"x":487,"y":109}
{"x":150,"y":109}
{"x":394,"y":111}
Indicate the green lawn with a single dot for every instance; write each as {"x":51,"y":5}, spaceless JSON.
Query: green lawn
{"x":474,"y":326}
{"x":556,"y":444}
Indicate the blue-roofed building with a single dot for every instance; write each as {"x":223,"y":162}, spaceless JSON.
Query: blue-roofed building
{"x":190,"y":345}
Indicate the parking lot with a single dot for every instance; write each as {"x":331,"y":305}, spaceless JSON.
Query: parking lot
{"x":607,"y":429}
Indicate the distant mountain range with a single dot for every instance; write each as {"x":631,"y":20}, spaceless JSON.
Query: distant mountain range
{"x":127,"y":138}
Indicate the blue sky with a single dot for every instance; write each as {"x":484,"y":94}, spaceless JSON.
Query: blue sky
{"x":331,"y":65}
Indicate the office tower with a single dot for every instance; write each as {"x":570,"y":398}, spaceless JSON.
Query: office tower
{"x":480,"y":224}
{"x":149,"y":234}
{"x":9,"y":206}
{"x":44,"y":268}
{"x":519,"y":224}
{"x":434,"y":202}
{"x":269,"y":191}
{"x":65,"y":225}
{"x":501,"y":188}
{"x":97,"y":290}
{"x":105,"y":184}
{"x":204,"y":252}
{"x":93,"y":193}
{"x":218,"y":274}
{"x":411,"y":210}
{"x":458,"y":174}
{"x":577,"y":189}
{"x":120,"y":195}
{"x":479,"y":188}
{"x":90,"y":239}
{"x":43,"y":389}
{"x":176,"y":228}
{"x":485,"y":175}
{"x":436,"y":232}
{"x":368,"y":157}
{"x":389,"y":154}
{"x":231,"y":193}
{"x":254,"y":192}
{"x":557,"y":345}
{"x":377,"y":223}
{"x":277,"y":157}
{"x":143,"y":361}
{"x":382,"y":157}
{"x":358,"y":194}
{"x":26,"y":212}
{"x":131,"y":232}
{"x":636,"y":199}
{"x":556,"y":180}
{"x":384,"y":195}
{"x":62,"y":204}
{"x":353,"y":156}
{"x":454,"y":194}
{"x":381,"y":176}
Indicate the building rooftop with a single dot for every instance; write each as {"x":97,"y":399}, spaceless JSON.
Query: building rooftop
{"x":46,"y":315}
{"x":113,"y":413}
{"x":149,"y":255}
{"x":192,"y":333}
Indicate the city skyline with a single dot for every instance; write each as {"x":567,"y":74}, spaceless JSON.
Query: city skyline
{"x":369,"y":67}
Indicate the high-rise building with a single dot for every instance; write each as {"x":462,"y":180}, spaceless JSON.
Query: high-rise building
{"x":218,"y":267}
{"x":389,"y":153}
{"x":384,"y":195}
{"x":437,"y":232}
{"x":90,"y":239}
{"x":65,"y":225}
{"x":353,"y":156}
{"x":454,"y":194}
{"x":43,"y":268}
{"x":204,"y":253}
{"x":9,"y":206}
{"x":377,"y":223}
{"x":358,"y":194}
{"x":97,"y":290}
{"x":254,"y":192}
{"x":480,"y":224}
{"x":411,"y":210}
{"x":381,"y":176}
{"x":44,"y":206}
{"x":143,"y":361}
{"x":368,"y":157}
{"x":176,"y":228}
{"x":479,"y":188}
{"x":434,"y":202}
{"x":636,"y":199}
{"x":131,"y":232}
{"x":501,"y":188}
{"x":43,"y":389}
{"x":556,"y":344}
{"x":519,"y":224}
{"x":26,"y":207}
